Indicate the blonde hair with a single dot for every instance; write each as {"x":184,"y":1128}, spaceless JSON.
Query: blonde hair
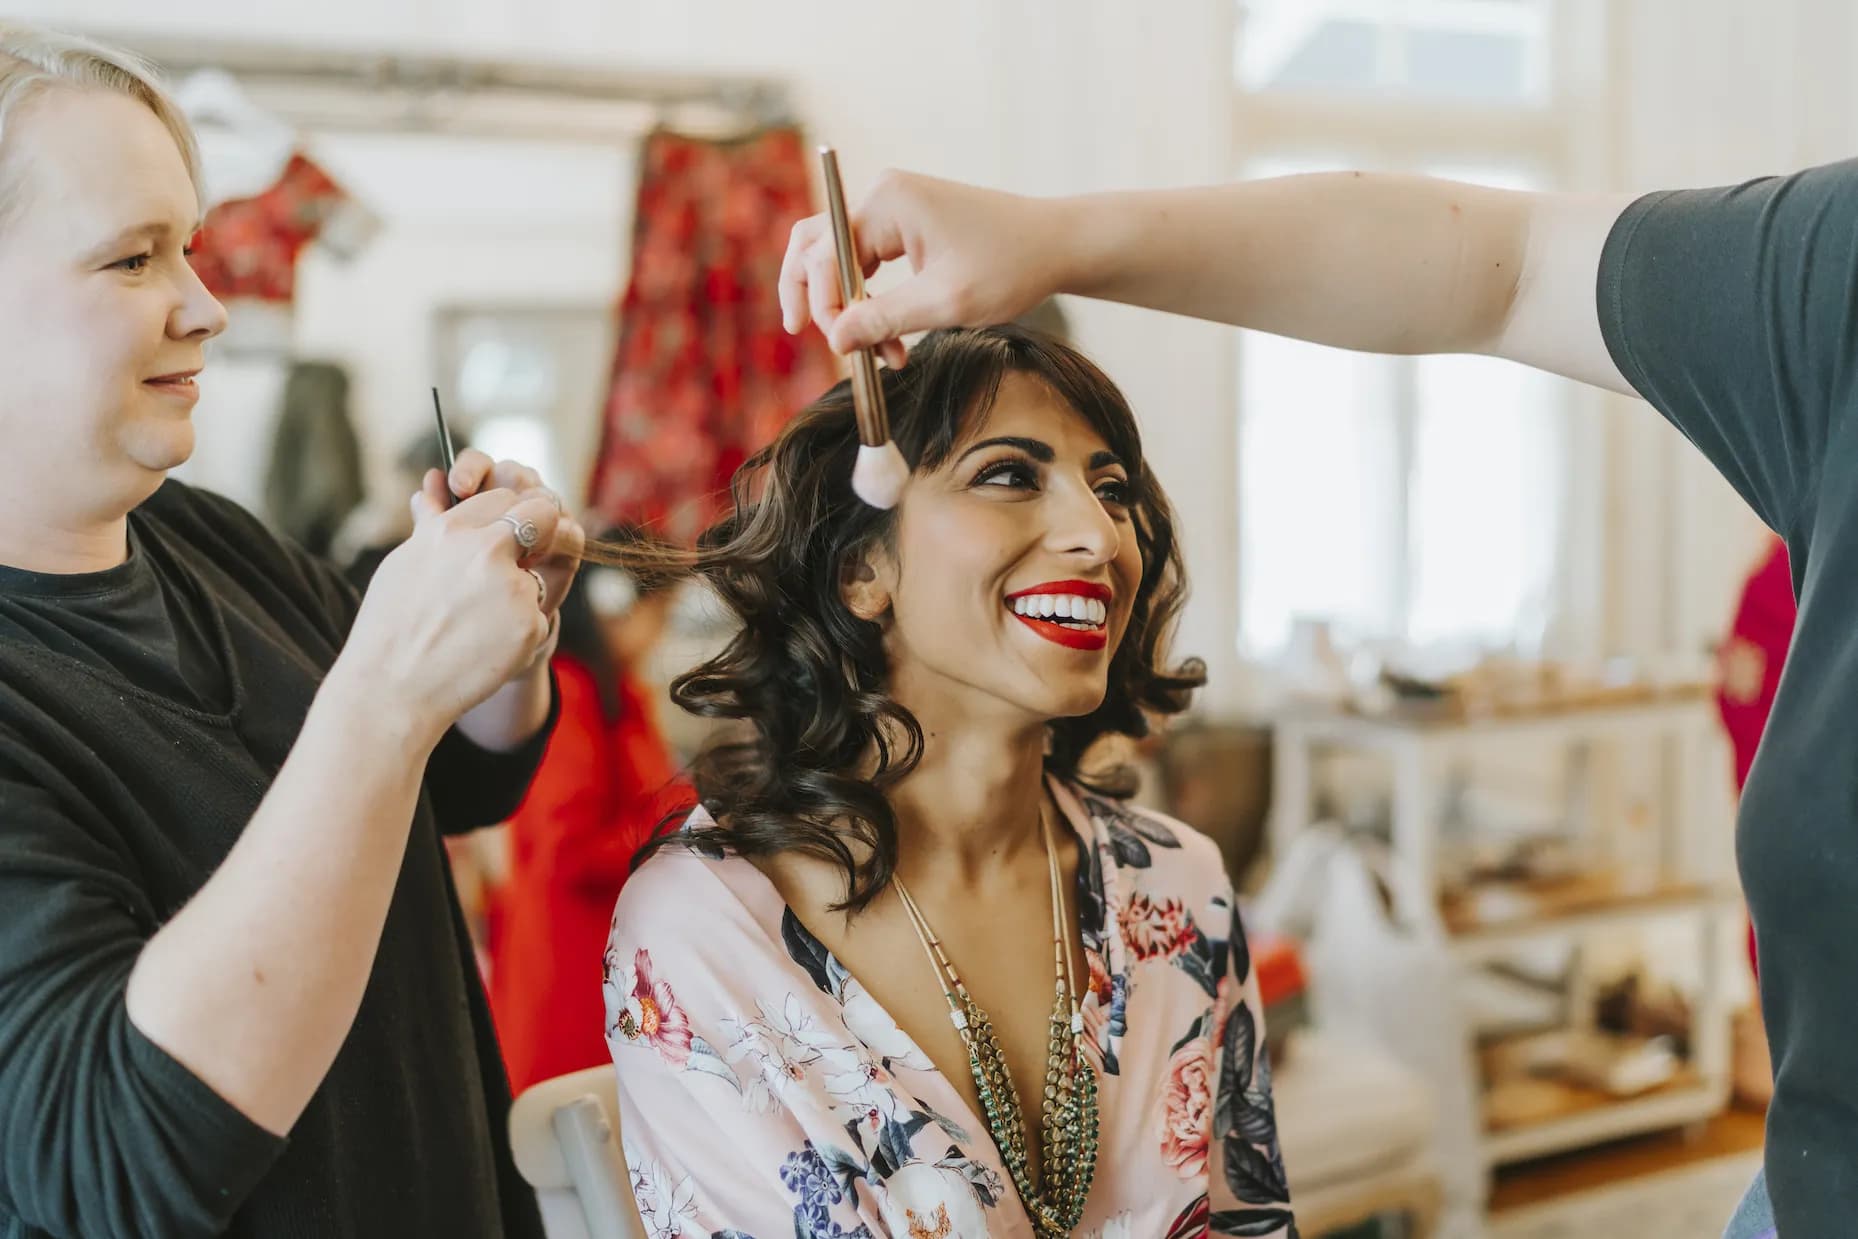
{"x":33,"y":61}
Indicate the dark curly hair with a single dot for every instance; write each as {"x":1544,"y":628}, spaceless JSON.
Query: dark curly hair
{"x":808,"y":676}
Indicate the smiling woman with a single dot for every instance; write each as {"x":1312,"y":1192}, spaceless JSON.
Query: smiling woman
{"x":912,"y":966}
{"x":1026,"y":459}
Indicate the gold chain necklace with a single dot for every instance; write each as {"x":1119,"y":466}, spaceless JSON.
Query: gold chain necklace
{"x":1068,"y":1118}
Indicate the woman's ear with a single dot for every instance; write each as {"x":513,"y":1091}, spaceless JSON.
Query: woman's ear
{"x":862,"y":587}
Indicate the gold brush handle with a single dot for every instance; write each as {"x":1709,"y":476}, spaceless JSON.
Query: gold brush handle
{"x":867,"y":392}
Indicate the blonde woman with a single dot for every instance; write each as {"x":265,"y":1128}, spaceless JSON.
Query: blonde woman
{"x":235,"y":994}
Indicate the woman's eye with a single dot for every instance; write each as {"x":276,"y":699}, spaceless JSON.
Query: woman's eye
{"x":134,"y":263}
{"x":1115,"y":491}
{"x":1007,"y":473}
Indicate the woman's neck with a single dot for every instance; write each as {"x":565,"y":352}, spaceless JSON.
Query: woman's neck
{"x":972,"y":806}
{"x":67,"y":521}
{"x":61,"y":547}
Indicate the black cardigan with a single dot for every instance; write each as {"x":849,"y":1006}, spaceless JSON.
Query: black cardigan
{"x":116,"y":804}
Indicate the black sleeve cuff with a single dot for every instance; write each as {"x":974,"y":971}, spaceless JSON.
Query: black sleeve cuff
{"x":473,"y":787}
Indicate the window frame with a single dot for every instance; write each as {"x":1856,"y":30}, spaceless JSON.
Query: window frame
{"x":1392,"y":132}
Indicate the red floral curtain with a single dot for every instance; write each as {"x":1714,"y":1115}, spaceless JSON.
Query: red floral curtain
{"x":703,"y":374}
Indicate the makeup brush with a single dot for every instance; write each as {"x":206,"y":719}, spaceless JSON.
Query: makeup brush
{"x":880,"y":473}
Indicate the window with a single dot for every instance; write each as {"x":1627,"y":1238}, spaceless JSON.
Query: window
{"x":1484,"y":51}
{"x":1412,"y":500}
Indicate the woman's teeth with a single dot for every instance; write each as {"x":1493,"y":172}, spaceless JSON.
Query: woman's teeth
{"x":1071,"y":610}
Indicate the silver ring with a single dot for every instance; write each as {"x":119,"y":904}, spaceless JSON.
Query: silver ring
{"x":525,"y":532}
{"x":541,"y":588}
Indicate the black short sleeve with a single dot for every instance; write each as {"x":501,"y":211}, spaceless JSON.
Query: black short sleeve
{"x":1734,"y":311}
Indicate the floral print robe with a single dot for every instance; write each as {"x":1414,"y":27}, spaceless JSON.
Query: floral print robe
{"x":766,"y":1094}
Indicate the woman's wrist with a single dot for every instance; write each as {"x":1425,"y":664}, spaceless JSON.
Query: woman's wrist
{"x":511,"y":716}
{"x":370,"y":703}
{"x":1081,"y":243}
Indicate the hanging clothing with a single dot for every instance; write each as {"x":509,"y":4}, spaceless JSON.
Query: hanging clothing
{"x":704,"y":374}
{"x":602,"y":788}
{"x":243,"y":147}
{"x":247,"y":255}
{"x":1749,"y":664}
{"x":249,"y":246}
{"x":315,"y":479}
{"x":247,"y":251}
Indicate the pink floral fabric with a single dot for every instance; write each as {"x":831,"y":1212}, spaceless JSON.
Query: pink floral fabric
{"x":1187,"y":1120}
{"x":766,"y":1093}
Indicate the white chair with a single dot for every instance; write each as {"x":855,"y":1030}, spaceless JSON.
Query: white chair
{"x":564,"y":1134}
{"x":1355,"y":1128}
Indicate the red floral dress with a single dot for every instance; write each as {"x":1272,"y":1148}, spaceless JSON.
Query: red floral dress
{"x":703,"y":373}
{"x":248,"y":247}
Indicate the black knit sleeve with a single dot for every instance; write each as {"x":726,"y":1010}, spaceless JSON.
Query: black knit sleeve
{"x":472,"y":787}
{"x":102,"y":1133}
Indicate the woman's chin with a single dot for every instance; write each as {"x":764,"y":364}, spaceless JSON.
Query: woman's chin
{"x":160,"y":446}
{"x":1058,"y":707}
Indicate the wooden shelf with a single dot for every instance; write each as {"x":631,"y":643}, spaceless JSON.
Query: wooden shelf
{"x":1554,"y":1176}
{"x":1560,"y":1100}
{"x":1456,"y":712}
{"x":1425,"y":749}
{"x":1570,"y":1115}
{"x":1509,"y":905}
{"x":1492,"y":917}
{"x":1629,"y":715}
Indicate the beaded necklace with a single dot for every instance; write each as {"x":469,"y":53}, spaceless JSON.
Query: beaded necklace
{"x":1068,"y":1118}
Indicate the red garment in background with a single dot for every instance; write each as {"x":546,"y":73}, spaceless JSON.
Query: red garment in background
{"x":600,"y":791}
{"x":703,"y":374}
{"x":248,"y":247}
{"x":1749,"y":664}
